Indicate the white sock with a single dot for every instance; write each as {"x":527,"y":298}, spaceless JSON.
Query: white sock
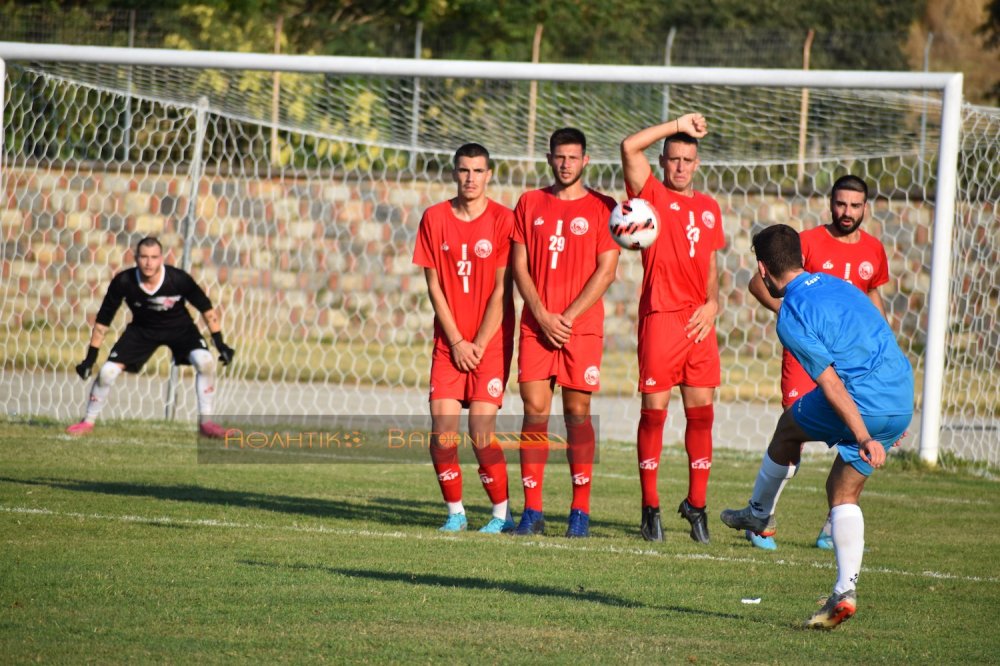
{"x":848,"y":529}
{"x":793,"y":470}
{"x":770,"y":480}
{"x":100,"y":390}
{"x":501,"y":510}
{"x":455,"y":507}
{"x":204,"y":381}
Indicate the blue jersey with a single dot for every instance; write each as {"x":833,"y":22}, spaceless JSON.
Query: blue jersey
{"x":825,"y":321}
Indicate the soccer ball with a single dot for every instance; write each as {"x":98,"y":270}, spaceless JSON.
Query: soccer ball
{"x":634,"y":224}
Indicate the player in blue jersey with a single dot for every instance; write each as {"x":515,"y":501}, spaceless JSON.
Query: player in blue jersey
{"x":863,"y":402}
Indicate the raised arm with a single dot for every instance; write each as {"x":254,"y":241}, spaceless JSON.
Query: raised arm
{"x":634,"y":163}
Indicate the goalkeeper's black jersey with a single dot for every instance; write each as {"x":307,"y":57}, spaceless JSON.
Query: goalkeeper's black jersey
{"x":163,"y":309}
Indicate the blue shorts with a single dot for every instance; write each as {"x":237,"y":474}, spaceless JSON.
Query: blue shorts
{"x":815,"y":415}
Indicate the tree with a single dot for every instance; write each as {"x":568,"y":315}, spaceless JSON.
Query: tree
{"x":990,"y":30}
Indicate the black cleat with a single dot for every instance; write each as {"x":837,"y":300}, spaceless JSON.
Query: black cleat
{"x":698,"y":520}
{"x":651,"y":529}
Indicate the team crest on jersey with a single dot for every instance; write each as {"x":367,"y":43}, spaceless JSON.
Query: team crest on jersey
{"x":579,"y":226}
{"x":592,"y":375}
{"x":708,"y":219}
{"x":483,"y":248}
{"x":495,"y":387}
{"x":163,"y":303}
{"x":866,"y":270}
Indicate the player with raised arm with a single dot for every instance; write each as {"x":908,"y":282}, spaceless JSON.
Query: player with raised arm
{"x":156,"y":294}
{"x":563,"y":259}
{"x":677,"y":310}
{"x":842,"y":249}
{"x":863,"y":402}
{"x":463,"y":245}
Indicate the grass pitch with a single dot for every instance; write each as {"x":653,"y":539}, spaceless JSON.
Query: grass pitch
{"x":121,"y":547}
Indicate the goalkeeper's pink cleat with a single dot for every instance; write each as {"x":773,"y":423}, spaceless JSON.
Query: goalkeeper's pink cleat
{"x":81,"y":428}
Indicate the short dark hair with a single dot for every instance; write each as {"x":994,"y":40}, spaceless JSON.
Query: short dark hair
{"x":148,"y":241}
{"x":680,"y":137}
{"x":567,"y":136}
{"x":778,"y":247}
{"x":852,"y":183}
{"x":471,"y":150}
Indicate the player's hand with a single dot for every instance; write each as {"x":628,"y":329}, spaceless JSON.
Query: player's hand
{"x":557,"y":329}
{"x":466,"y":355}
{"x":702,"y":320}
{"x":905,"y":434}
{"x":872,"y":452}
{"x":693,"y":124}
{"x":226,"y":353}
{"x":84,"y":367}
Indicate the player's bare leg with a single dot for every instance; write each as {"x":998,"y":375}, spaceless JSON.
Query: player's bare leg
{"x":98,"y":397}
{"x":492,"y":465}
{"x":582,"y":443}
{"x":444,"y":455}
{"x":649,"y":448}
{"x":699,"y":414}
{"x":534,"y":452}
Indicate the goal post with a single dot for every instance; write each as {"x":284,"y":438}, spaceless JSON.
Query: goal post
{"x":519,"y":168}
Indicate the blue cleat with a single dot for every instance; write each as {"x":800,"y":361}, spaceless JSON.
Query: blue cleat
{"x":498,"y":526}
{"x":761,"y":541}
{"x":456,"y":523}
{"x":532,"y":522}
{"x":579,"y":524}
{"x":824,"y":541}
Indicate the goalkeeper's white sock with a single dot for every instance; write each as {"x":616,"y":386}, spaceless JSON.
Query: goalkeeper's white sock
{"x":204,"y":380}
{"x":455,"y":507}
{"x":848,"y":527}
{"x":770,"y":479}
{"x":100,"y":390}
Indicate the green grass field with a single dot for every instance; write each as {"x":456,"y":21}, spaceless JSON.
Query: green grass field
{"x":121,"y":547}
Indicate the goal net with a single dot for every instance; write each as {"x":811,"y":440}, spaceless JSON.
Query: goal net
{"x":294,"y":199}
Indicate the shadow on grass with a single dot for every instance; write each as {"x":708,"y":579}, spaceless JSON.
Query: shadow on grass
{"x":376,"y":510}
{"x":480,"y":584}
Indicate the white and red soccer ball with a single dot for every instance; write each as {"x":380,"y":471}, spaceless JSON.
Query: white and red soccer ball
{"x":634,"y":224}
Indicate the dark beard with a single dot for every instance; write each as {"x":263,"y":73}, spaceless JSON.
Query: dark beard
{"x":774,"y":291}
{"x":847,"y":232}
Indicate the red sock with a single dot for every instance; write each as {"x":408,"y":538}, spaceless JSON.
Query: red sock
{"x":445,"y":459}
{"x":534,"y":454}
{"x":580,"y":455}
{"x":650,"y":447}
{"x":493,"y":471}
{"x":698,"y":443}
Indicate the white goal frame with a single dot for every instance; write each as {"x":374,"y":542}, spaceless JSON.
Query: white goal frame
{"x":948,"y":84}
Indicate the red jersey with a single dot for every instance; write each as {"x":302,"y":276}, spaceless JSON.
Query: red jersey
{"x":563,"y":240}
{"x":466,"y":256}
{"x":863,"y":264}
{"x":675,"y":267}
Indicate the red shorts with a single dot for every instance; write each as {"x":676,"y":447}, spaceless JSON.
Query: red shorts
{"x":576,"y":366}
{"x":795,"y":381}
{"x":484,"y":384}
{"x":667,"y":357}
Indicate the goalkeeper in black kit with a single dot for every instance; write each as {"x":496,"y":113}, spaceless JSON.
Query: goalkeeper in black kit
{"x":156,"y":294}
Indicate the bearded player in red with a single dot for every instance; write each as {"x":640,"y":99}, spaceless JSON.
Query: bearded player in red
{"x":677,"y":310}
{"x":563,"y":258}
{"x":843,"y":250}
{"x":463,"y":245}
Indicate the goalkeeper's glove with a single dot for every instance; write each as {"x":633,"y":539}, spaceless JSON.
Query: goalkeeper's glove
{"x":226,"y":352}
{"x":83,"y":369}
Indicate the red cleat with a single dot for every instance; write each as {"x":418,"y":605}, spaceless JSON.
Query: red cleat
{"x":212,"y":430}
{"x":81,"y":428}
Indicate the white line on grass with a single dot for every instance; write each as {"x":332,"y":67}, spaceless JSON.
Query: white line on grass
{"x":526,"y":543}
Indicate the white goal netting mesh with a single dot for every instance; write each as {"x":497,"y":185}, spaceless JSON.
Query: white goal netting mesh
{"x":298,"y":213}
